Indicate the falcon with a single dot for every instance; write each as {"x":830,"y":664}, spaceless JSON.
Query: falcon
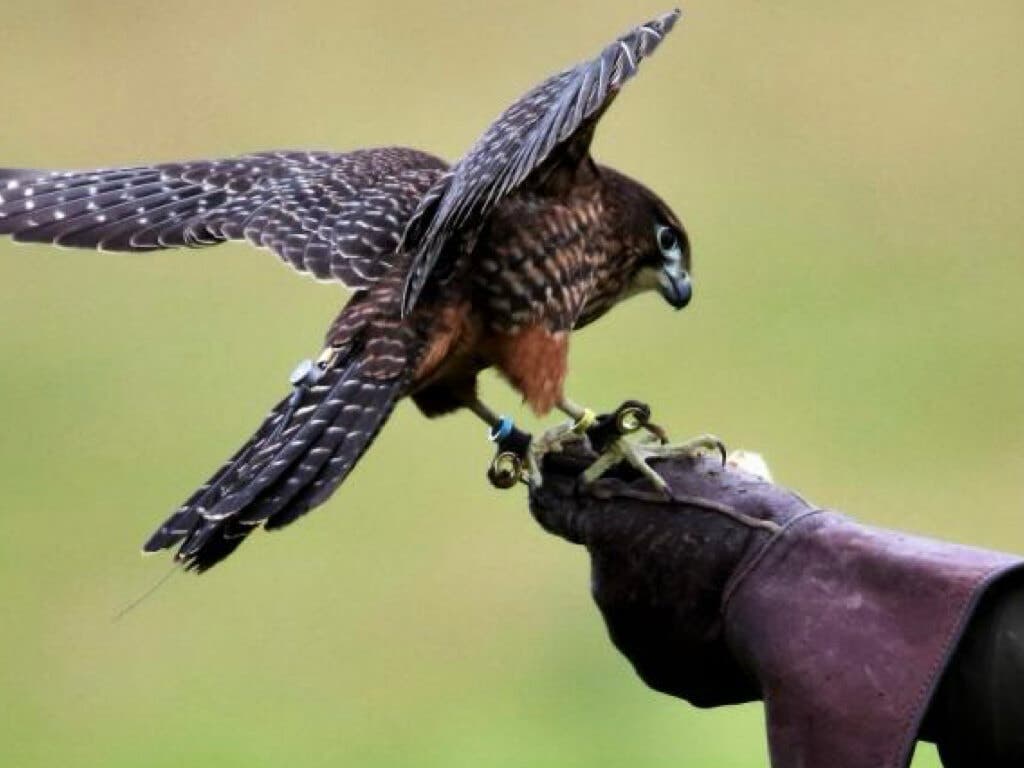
{"x":489,"y":262}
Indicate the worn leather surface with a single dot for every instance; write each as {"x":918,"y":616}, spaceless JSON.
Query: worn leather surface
{"x":842,"y":629}
{"x":849,"y":629}
{"x":659,"y":570}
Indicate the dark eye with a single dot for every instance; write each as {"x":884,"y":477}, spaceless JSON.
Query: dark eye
{"x":668,"y":241}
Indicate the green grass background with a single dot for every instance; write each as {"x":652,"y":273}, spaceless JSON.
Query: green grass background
{"x":851,"y":174}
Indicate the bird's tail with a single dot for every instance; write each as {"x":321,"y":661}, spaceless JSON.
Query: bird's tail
{"x":305,"y":448}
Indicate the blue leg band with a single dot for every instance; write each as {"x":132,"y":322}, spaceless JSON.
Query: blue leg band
{"x":502,"y":430}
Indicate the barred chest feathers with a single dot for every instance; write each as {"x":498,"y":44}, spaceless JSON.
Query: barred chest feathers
{"x":555,"y":263}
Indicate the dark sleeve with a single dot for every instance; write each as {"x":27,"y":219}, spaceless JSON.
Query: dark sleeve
{"x":977,"y":715}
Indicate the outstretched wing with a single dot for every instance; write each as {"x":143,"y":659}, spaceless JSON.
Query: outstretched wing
{"x":558,"y":116}
{"x":336,"y":215}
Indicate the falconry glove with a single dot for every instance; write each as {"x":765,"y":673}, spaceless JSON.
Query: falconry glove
{"x":735,"y":590}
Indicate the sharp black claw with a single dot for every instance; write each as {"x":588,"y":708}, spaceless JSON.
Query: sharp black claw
{"x":659,"y":432}
{"x":722,"y":451}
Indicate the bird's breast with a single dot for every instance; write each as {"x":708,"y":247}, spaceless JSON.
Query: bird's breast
{"x":537,"y":264}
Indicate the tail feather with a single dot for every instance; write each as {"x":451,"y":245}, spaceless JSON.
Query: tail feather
{"x":334,"y":471}
{"x":367,"y":405}
{"x":183,"y":521}
{"x":302,"y":452}
{"x":304,"y":419}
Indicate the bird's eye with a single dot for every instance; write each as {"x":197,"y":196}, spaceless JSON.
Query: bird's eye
{"x":668,"y":241}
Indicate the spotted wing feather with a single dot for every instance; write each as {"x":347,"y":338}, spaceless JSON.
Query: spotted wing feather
{"x":539,"y":125}
{"x":301,"y":453}
{"x":337,"y":216}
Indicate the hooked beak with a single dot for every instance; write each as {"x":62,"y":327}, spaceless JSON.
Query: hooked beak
{"x":674,"y":284}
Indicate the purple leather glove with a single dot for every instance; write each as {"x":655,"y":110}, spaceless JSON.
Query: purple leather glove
{"x":662,"y":570}
{"x":658,"y":570}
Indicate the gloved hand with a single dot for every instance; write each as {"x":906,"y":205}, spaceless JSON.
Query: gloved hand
{"x":662,"y":568}
{"x":659,"y":568}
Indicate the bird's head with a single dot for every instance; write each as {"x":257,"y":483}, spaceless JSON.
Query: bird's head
{"x":666,"y":266}
{"x":658,"y":247}
{"x":665,"y":252}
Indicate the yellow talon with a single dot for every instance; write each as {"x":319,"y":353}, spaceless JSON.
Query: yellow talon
{"x":586,"y":420}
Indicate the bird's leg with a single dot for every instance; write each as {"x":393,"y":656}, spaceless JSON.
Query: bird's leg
{"x":608,"y":436}
{"x":584,"y":420}
{"x":559,"y":435}
{"x":585,"y":425}
{"x":518,"y":455}
{"x":514,"y":458}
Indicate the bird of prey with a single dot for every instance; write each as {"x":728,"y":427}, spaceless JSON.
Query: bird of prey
{"x":489,"y":262}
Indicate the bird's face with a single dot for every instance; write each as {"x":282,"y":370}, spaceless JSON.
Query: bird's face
{"x":653,"y":238}
{"x":674,"y":264}
{"x":664,"y":264}
{"x":646,"y":240}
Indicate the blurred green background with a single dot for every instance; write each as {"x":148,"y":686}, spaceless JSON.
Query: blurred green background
{"x":852,"y":174}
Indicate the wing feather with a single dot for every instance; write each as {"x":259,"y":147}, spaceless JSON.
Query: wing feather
{"x":338,"y":216}
{"x":548,"y":118}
